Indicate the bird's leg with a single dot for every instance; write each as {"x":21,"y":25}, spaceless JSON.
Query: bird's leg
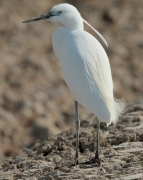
{"x":97,"y":159}
{"x":77,"y":124}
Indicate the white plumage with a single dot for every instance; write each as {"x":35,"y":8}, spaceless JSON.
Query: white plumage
{"x":85,"y":67}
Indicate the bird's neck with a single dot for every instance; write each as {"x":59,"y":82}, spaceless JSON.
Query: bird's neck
{"x":74,"y":24}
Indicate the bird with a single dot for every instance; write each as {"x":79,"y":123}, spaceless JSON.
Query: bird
{"x":85,"y":68}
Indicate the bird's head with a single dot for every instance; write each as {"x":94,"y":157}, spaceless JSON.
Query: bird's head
{"x":68,"y":16}
{"x":65,"y":14}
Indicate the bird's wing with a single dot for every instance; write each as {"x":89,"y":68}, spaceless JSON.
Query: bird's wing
{"x":89,"y":62}
{"x":97,"y":67}
{"x":96,"y":63}
{"x":97,"y":70}
{"x":86,"y":65}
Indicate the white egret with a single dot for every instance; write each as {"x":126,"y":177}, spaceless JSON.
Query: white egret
{"x":85,"y":67}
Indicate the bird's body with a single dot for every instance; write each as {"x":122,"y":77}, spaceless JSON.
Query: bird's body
{"x":85,"y":65}
{"x":80,"y":58}
{"x":86,"y":70}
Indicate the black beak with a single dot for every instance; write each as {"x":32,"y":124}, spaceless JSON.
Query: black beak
{"x":41,"y":17}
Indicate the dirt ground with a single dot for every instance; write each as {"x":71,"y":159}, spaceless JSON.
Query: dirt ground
{"x":36,"y":106}
{"x":121,"y":153}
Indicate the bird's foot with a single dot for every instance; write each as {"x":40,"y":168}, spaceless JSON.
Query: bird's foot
{"x":76,"y":163}
{"x":95,"y":160}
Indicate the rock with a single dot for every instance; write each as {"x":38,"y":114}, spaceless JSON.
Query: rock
{"x":56,"y":159}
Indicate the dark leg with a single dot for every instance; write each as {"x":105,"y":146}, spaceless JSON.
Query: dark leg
{"x":97,"y":159}
{"x":77,"y":124}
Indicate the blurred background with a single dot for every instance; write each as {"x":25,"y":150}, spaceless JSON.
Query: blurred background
{"x":34,"y":100}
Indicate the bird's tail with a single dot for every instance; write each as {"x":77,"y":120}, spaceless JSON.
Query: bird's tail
{"x":116,"y":109}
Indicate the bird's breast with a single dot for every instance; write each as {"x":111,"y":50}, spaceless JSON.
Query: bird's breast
{"x":57,"y":38}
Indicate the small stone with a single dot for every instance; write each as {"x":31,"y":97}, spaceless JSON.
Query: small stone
{"x":54,"y":147}
{"x":36,"y":146}
{"x":56,"y":159}
{"x":48,"y":149}
{"x":60,"y":138}
{"x":13,"y":166}
{"x":41,"y":150}
{"x":44,"y":143}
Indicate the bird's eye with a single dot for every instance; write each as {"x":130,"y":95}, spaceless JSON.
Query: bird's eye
{"x":60,"y":12}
